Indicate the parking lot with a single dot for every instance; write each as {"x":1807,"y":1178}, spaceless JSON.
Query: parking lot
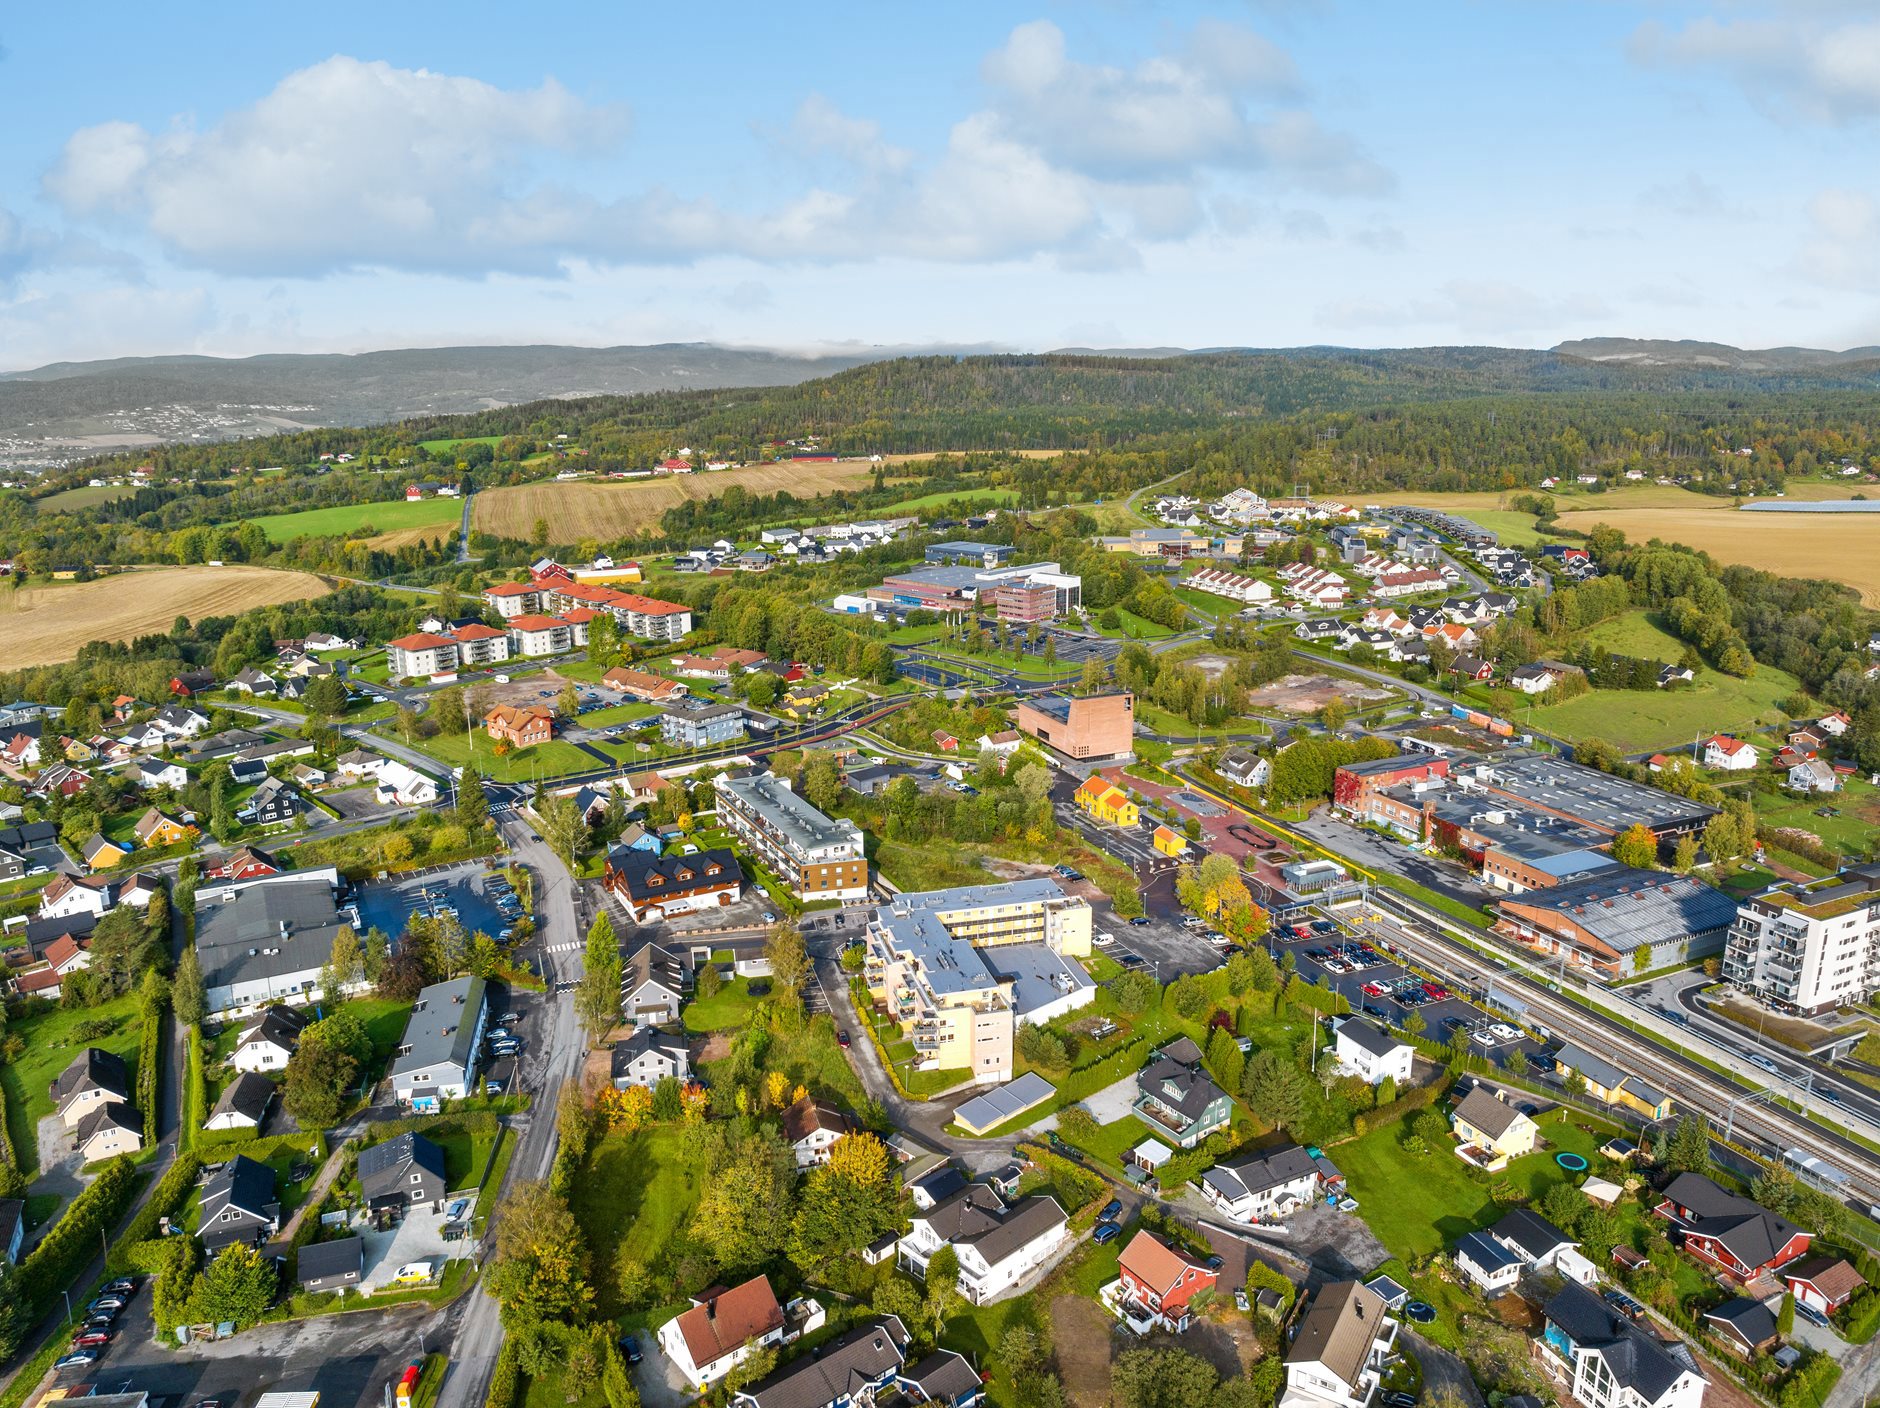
{"x":475,"y":893}
{"x":1358,"y":965}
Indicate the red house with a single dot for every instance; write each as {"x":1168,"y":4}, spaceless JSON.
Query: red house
{"x":1823,"y":1283}
{"x":548,"y":572}
{"x":192,"y":682}
{"x":945,"y":741}
{"x":242,"y":863}
{"x":1737,"y":1237}
{"x":1159,"y":1281}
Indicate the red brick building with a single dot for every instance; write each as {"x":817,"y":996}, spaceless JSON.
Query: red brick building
{"x":1355,"y":785}
{"x":1081,"y":726}
{"x":519,"y":727}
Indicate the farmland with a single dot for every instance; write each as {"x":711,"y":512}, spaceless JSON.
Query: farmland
{"x":403,"y":519}
{"x":1640,"y":719}
{"x":439,"y":447}
{"x":87,"y":497}
{"x":605,"y":510}
{"x":43,"y":625}
{"x":1841,"y":547}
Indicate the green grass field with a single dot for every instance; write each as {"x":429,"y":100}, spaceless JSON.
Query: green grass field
{"x":634,"y":1195}
{"x":386,"y":517}
{"x":1858,"y":803}
{"x":1514,"y":529}
{"x":551,"y":759}
{"x":975,"y":496}
{"x":52,"y":1040}
{"x":1637,"y":719}
{"x":438,"y":447}
{"x":86,"y":497}
{"x":730,"y":1008}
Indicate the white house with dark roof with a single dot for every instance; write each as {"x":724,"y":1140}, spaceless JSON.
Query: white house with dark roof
{"x":269,"y":1039}
{"x":653,"y":985}
{"x":1276,"y":1182}
{"x":998,"y":1245}
{"x":1369,"y":1053}
{"x":1607,"y":1361}
{"x":648,"y":1057}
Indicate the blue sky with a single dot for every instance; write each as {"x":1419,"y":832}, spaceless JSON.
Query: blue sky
{"x":345,"y":177}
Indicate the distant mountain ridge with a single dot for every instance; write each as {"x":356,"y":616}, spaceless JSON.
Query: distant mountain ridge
{"x":69,"y":409}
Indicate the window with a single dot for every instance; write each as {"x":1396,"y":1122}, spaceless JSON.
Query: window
{"x":417,"y":1178}
{"x":421,"y":1077}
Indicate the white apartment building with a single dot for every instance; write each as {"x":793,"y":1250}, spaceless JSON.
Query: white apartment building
{"x":929,"y":957}
{"x":542,"y":635}
{"x":422,"y":654}
{"x":1809,"y":948}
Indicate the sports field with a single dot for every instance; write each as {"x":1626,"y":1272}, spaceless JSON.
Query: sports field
{"x":606,"y":510}
{"x":401,"y":518}
{"x":43,"y":625}
{"x":1842,"y":547}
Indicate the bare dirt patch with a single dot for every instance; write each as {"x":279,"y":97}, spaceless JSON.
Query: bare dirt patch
{"x":1307,"y":694}
{"x":1082,"y":1334}
{"x":42,"y":625}
{"x":1213,"y":666}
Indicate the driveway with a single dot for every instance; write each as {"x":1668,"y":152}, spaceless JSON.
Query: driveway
{"x":418,"y":1238}
{"x":659,"y":1380}
{"x":59,"y":1160}
{"x":1441,"y":1370}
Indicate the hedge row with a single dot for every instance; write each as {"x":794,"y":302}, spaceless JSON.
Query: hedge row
{"x":506,"y":1380}
{"x":1421,"y":1098}
{"x":469,"y":1121}
{"x":150,"y":1058}
{"x":195,"y":1100}
{"x":171,"y":1192}
{"x":63,"y":1251}
{"x":12,"y":1180}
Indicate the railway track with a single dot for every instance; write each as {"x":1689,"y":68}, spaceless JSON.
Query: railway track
{"x":1751,"y":1117}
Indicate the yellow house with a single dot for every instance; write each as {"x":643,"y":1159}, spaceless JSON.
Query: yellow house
{"x":1491,"y":1131}
{"x":1169,"y":841}
{"x":1107,"y":802}
{"x":1605,"y":1081}
{"x":155,"y":829}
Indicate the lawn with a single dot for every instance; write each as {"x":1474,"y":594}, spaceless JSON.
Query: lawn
{"x":978,"y":498}
{"x":1637,"y":719}
{"x":617,"y":714}
{"x":52,"y":1039}
{"x":385,"y":517}
{"x":1858,"y":802}
{"x":926,"y":868}
{"x":732,"y":1006}
{"x":385,"y":1024}
{"x":1639,"y":633}
{"x":811,"y":1058}
{"x":1135,"y":627}
{"x":551,"y":759}
{"x":1420,"y":1203}
{"x":635,"y":1193}
{"x":86,"y":496}
{"x":438,"y":447}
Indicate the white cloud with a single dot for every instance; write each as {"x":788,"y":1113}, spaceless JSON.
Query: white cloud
{"x":1212,"y":105}
{"x":1842,"y":249}
{"x":344,"y":164}
{"x":819,"y":126}
{"x":1800,"y":61}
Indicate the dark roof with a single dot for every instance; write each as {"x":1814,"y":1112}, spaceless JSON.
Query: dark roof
{"x":1533,"y":1234}
{"x":862,"y":1356}
{"x":92,"y":1069}
{"x":676,"y":874}
{"x":939,"y":1184}
{"x":1024,"y":1223}
{"x":1186,"y":1091}
{"x":1367,"y":1037}
{"x":387,"y":1162}
{"x":944,"y":1377}
{"x":652,"y":964}
{"x":113,"y":1112}
{"x":248,"y":1094}
{"x":321,"y":1260}
{"x":1271,"y":1169}
{"x":280,"y":1026}
{"x":1747,"y":1230}
{"x":1749,"y":1321}
{"x":243,"y":1184}
{"x":642,"y":1041}
{"x":1638,"y":1359}
{"x":11,"y":1211}
{"x":1485,"y":1251}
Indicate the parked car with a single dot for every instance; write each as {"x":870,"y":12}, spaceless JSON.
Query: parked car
{"x":1111,"y":1211}
{"x":124,"y":1287}
{"x":91,"y":1339}
{"x":630,"y":1349}
{"x":1397,"y":1398}
{"x":842,"y":1037}
{"x":1106,"y":1232}
{"x":1140,"y":919}
{"x":1811,"y":1315}
{"x":1240,"y":1298}
{"x":77,"y":1359}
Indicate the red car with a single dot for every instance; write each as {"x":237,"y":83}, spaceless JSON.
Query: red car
{"x":1373,"y":989}
{"x":1436,"y":992}
{"x":92,"y":1339}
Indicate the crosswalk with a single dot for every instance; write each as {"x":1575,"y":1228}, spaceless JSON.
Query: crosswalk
{"x":572,"y":946}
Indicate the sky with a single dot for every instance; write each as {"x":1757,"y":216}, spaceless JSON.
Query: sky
{"x":346,"y":177}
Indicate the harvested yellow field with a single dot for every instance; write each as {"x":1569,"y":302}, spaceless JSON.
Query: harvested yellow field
{"x":1016,"y":454}
{"x":1621,"y":500}
{"x":608,"y":509}
{"x":1841,"y":547}
{"x":42,"y":625}
{"x":399,"y":537}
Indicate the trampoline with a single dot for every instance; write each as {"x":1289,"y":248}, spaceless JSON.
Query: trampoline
{"x":1571,"y":1162}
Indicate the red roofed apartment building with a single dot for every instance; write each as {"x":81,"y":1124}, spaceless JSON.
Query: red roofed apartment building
{"x":643,"y":616}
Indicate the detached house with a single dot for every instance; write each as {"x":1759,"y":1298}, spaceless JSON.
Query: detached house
{"x":1177,"y":1097}
{"x":243,"y":1104}
{"x":1728,"y":754}
{"x":1490,"y":1131}
{"x":648,"y":1057}
{"x":404,"y":1171}
{"x":650,"y":887}
{"x":1733,"y":1235}
{"x":848,"y":1371}
{"x":155,"y":829}
{"x":94,"y":1079}
{"x":1607,"y":1361}
{"x":653,"y":987}
{"x":1338,"y":1355}
{"x":437,"y":1058}
{"x":269,"y":1040}
{"x":1369,"y":1053}
{"x":721,"y":1330}
{"x":811,"y":1128}
{"x":1155,"y":1284}
{"x":1280,"y":1181}
{"x":238,"y":1206}
{"x":998,"y":1245}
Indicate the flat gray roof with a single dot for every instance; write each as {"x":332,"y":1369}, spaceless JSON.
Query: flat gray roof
{"x":1004,"y":1102}
{"x":1039,"y":975}
{"x":442,"y":1027}
{"x":266,"y":930}
{"x":780,"y":808}
{"x":1612,"y":803}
